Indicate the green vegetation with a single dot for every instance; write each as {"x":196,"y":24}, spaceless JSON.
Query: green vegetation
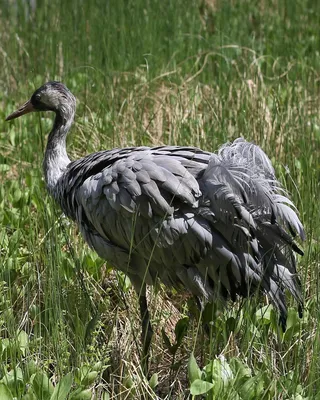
{"x":148,"y":72}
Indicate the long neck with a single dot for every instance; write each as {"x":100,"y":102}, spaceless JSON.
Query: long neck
{"x":56,"y":158}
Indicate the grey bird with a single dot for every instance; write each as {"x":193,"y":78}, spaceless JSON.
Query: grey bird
{"x":217,"y":225}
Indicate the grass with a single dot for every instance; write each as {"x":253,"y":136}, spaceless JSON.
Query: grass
{"x":147,"y":73}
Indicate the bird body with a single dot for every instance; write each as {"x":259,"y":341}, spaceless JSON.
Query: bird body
{"x":191,"y":218}
{"x":218,"y":225}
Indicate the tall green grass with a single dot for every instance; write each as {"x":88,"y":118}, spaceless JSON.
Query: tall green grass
{"x":146,"y":73}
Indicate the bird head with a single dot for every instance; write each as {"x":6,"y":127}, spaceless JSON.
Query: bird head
{"x":52,"y":96}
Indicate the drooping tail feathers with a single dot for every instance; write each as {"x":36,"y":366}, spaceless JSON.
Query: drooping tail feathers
{"x":241,"y":185}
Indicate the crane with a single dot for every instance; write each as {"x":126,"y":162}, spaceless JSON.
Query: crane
{"x":217,"y":225}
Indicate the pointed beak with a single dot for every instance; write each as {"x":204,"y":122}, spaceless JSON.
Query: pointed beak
{"x":24,"y":109}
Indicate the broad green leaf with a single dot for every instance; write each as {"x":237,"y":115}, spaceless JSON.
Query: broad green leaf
{"x":63,"y":388}
{"x":23,"y":340}
{"x":83,"y":395}
{"x":14,"y":381}
{"x":253,"y":388}
{"x":29,"y":369}
{"x":264,"y":314}
{"x":220,"y":371}
{"x":297,"y":164}
{"x":181,"y":329}
{"x":75,"y":393}
{"x":5,"y":393}
{"x":89,"y":378}
{"x":153,"y":382}
{"x":97,"y":366}
{"x":292,"y":318}
{"x":12,"y":136}
{"x":124,"y":281}
{"x":247,"y":390}
{"x":16,"y":195}
{"x":29,"y":396}
{"x":4,"y":168}
{"x":240,"y":370}
{"x":81,"y":373}
{"x":200,"y":387}
{"x":42,"y":386}
{"x":128,"y":382}
{"x":194,"y":372}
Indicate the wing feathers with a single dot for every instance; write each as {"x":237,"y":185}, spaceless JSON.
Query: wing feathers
{"x":218,"y":224}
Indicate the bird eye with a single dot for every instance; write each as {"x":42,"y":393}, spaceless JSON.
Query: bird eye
{"x":38,"y":96}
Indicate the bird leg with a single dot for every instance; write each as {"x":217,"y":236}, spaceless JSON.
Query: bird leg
{"x":147,"y":331}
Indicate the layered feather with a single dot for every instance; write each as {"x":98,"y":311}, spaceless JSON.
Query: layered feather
{"x":219,"y":225}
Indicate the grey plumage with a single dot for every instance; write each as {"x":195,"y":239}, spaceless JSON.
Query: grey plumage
{"x":218,"y":225}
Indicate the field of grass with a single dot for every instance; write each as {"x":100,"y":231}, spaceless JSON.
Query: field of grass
{"x":186,"y":72}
